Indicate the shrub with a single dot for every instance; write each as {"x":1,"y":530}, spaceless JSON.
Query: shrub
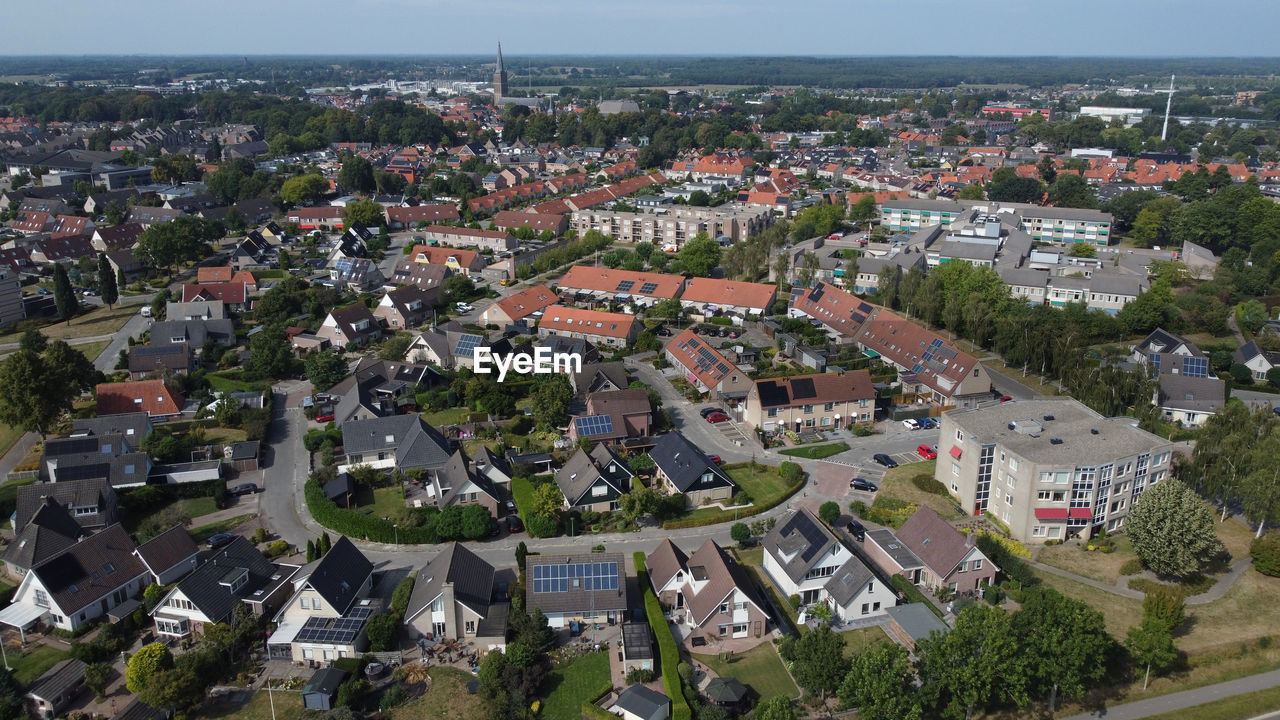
{"x":393,"y":697}
{"x":791,"y":472}
{"x":1132,"y":566}
{"x":829,"y":512}
{"x":926,"y":483}
{"x":639,"y":675}
{"x":912,"y":593}
{"x":1265,"y":552}
{"x":858,"y":507}
{"x":277,"y":548}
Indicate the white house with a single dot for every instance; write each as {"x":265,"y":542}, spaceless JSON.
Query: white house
{"x":804,"y":558}
{"x":234,"y":574}
{"x":708,"y":592}
{"x":325,"y":618}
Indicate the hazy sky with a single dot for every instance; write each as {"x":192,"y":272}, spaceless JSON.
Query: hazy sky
{"x":690,"y":27}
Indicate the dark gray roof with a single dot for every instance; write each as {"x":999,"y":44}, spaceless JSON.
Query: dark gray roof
{"x":340,"y":574}
{"x":416,"y":444}
{"x":138,"y":710}
{"x":1181,"y":392}
{"x":326,"y":681}
{"x":917,"y":620}
{"x":194,"y":332}
{"x":49,"y":531}
{"x":683,"y":462}
{"x":471,"y":577}
{"x":453,"y":476}
{"x":576,"y":599}
{"x":637,"y":641}
{"x":848,"y":580}
{"x":203,"y":586}
{"x":644,"y":703}
{"x":584,"y":469}
{"x":75,"y":493}
{"x":91,"y":569}
{"x":895,"y":549}
{"x":147,"y":358}
{"x":339,"y":486}
{"x":59,"y":679}
{"x":133,"y":426}
{"x":800,"y":536}
{"x":167,"y":549}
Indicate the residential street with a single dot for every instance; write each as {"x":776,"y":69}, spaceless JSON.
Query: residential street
{"x":1186,"y":698}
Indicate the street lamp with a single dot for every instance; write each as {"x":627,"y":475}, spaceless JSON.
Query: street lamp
{"x":396,"y":527}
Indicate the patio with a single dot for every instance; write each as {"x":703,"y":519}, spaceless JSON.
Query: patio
{"x":697,"y":640}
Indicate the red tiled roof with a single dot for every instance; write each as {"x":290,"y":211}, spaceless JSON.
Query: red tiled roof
{"x":698,"y":358}
{"x":228,"y":292}
{"x":841,"y":311}
{"x":713,"y":291}
{"x":589,"y":322}
{"x":905,"y":344}
{"x":423,"y":213}
{"x":586,"y":277}
{"x":528,"y":301}
{"x":440,"y":256}
{"x":150,"y":396}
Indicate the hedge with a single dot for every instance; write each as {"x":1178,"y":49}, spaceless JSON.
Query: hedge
{"x":913,"y":594}
{"x":357,"y":525}
{"x":668,"y":653}
{"x":591,"y":710}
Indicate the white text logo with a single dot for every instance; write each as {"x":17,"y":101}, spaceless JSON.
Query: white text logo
{"x":542,"y":362}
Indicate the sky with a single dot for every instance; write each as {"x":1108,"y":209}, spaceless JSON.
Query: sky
{"x":652,"y":27}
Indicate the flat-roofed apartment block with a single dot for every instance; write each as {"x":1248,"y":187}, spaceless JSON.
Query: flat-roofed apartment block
{"x":1048,"y":469}
{"x":1047,"y":224}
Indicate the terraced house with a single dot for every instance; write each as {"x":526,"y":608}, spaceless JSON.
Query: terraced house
{"x":805,"y":403}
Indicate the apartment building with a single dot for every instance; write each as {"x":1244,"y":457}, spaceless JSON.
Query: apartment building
{"x":673,"y":226}
{"x":1048,"y":469}
{"x":1046,"y":224}
{"x":805,"y":403}
{"x":11,"y":308}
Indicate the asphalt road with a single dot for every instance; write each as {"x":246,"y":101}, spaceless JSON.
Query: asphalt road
{"x":1186,"y":699}
{"x":106,"y":361}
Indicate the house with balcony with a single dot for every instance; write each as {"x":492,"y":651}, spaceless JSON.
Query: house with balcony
{"x":404,"y":442}
{"x":324,"y":619}
{"x":709,"y":593}
{"x":235,"y":574}
{"x":453,"y":597}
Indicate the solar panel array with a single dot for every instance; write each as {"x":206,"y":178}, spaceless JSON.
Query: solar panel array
{"x":593,"y":425}
{"x":467,"y":344}
{"x":562,"y":577}
{"x":928,"y":354}
{"x":335,"y":631}
{"x":648,"y":288}
{"x":625,"y":286}
{"x":1195,"y":367}
{"x":803,"y":389}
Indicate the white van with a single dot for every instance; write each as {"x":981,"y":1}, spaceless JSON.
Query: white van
{"x":145,"y":311}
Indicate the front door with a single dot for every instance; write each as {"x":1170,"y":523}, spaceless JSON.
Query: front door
{"x":679,"y":599}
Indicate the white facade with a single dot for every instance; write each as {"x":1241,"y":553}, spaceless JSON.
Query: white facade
{"x":871,"y":600}
{"x":32,"y":593}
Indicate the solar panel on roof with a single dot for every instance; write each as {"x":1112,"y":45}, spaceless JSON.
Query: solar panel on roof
{"x":803,"y":388}
{"x":648,"y":288}
{"x":625,"y":286}
{"x":467,"y":344}
{"x":722,"y":368}
{"x":593,"y":425}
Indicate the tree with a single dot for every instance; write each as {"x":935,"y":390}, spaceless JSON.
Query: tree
{"x":547,"y":499}
{"x":1067,"y":638}
{"x":669,"y":308}
{"x":1083,"y":250}
{"x":829,"y":511}
{"x":270,"y":354}
{"x":356,"y":174}
{"x":550,"y":399}
{"x":881,"y":684}
{"x":142,"y":667}
{"x":1165,"y":605}
{"x":778,"y":707}
{"x":699,"y":198}
{"x":1047,"y":168}
{"x":301,"y":189}
{"x":64,"y":298}
{"x":1151,"y":645}
{"x":107,"y":281}
{"x":638,"y":502}
{"x":11,"y":697}
{"x":1072,"y":191}
{"x":365,"y":212}
{"x":975,"y":665}
{"x":180,"y":240}
{"x":35,"y":390}
{"x":1173,"y":530}
{"x":522,"y":552}
{"x":324,"y":545}
{"x":808,"y":270}
{"x":1007,"y":186}
{"x":325,"y":369}
{"x":818,"y":662}
{"x":33,"y":340}
{"x":311,"y":550}
{"x":381,"y":629}
{"x":97,"y":676}
{"x":863,"y":211}
{"x":971,"y":192}
{"x":476,"y":522}
{"x":700,"y":255}
{"x":152,"y":596}
{"x":741,"y":534}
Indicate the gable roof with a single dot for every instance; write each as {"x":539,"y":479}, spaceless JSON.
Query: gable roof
{"x":232,"y":293}
{"x":714,"y":291}
{"x":471,"y":577}
{"x":204,"y":588}
{"x":527,"y":302}
{"x":587,"y":322}
{"x":49,"y":531}
{"x":938,"y":545}
{"x":797,"y":542}
{"x":840,"y":311}
{"x":629,"y":282}
{"x":644,"y":703}
{"x":1163,"y":341}
{"x":167,"y":549}
{"x":683,"y":462}
{"x":664,"y":562}
{"x":798,"y":390}
{"x":699,"y":359}
{"x":415,"y":442}
{"x":582,"y":471}
{"x":90,"y":569}
{"x":932,"y":359}
{"x":340,"y":574}
{"x":150,"y":396}
{"x":723,"y":576}
{"x":440,"y":255}
{"x":59,"y":679}
{"x":79,"y":493}
{"x":576,"y":596}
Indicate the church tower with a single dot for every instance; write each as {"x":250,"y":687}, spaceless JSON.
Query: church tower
{"x":499,"y":80}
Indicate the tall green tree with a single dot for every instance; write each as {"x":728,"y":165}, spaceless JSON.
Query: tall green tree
{"x":270,"y":354}
{"x":881,"y":685}
{"x":1173,"y":531}
{"x":107,"y":281}
{"x":325,"y":369}
{"x":818,"y":662}
{"x":1007,"y":186}
{"x":778,"y":707}
{"x":33,"y":340}
{"x":64,"y":297}
{"x":11,"y":697}
{"x":1151,"y":646}
{"x":366,"y":212}
{"x":1071,"y":190}
{"x":36,"y":390}
{"x":1067,"y":640}
{"x":550,"y":399}
{"x":356,"y":174}
{"x":974,"y":666}
{"x":700,"y":255}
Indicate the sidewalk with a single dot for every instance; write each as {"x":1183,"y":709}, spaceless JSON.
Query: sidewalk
{"x":1185,"y":699}
{"x":1121,"y":586}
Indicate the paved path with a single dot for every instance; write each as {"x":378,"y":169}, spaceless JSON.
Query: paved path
{"x":1185,"y":699}
{"x":136,"y":324}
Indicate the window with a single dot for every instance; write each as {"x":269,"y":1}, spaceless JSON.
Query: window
{"x":1013,"y":463}
{"x":308,"y":654}
{"x":315,"y":603}
{"x":1008,"y":498}
{"x":773,"y":412}
{"x":1055,"y":531}
{"x":959,"y":436}
{"x":829,"y":407}
{"x":1037,"y":531}
{"x":724,"y":608}
{"x":471,"y":627}
{"x":866,"y":608}
{"x":808,"y":409}
{"x":977,"y":564}
{"x":42,"y":598}
{"x":304,"y":603}
{"x":955,"y":469}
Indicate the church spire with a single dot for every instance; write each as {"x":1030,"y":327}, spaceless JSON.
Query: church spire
{"x":499,"y":80}
{"x":500,"y":68}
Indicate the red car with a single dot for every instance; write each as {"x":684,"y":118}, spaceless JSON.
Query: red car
{"x":927,"y":452}
{"x":716,"y":417}
{"x":715,"y":459}
{"x":1005,"y":398}
{"x":325,"y":418}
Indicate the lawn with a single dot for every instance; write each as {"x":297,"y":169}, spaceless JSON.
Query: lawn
{"x":759,"y":668}
{"x":763,"y":483}
{"x":522,"y":493}
{"x":452,"y":416}
{"x":855,"y":641}
{"x":9,"y":496}
{"x":93,"y":350}
{"x":9,"y":437}
{"x":1075,"y":558}
{"x":221,"y":383}
{"x":385,"y":502}
{"x":6,"y":591}
{"x":1239,"y":707}
{"x":568,"y":687}
{"x":175,"y":512}
{"x":99,"y":321}
{"x":817,"y":452}
{"x":224,"y":436}
{"x":29,"y":665}
{"x":204,"y":532}
{"x":897,"y":484}
{"x":288,"y":706}
{"x":1031,"y":381}
{"x":446,"y":700}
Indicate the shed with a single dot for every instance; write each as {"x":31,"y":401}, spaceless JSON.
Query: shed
{"x":340,"y":489}
{"x":637,"y":647}
{"x":321,"y":690}
{"x":638,"y":702}
{"x":50,"y":694}
{"x":908,"y":624}
{"x":242,"y":456}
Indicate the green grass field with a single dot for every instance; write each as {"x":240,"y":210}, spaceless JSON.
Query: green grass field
{"x":1239,"y":707}
{"x":817,"y":452}
{"x":288,"y":706}
{"x":29,"y":665}
{"x":759,"y":668}
{"x":448,"y":698}
{"x":204,"y":532}
{"x":763,"y":484}
{"x":570,"y":686}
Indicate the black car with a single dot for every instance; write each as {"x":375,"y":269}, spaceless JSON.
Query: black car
{"x":217,"y":540}
{"x":243,"y":489}
{"x":855,"y":528}
{"x":495,"y":529}
{"x":863,"y":484}
{"x":513,"y":524}
{"x":884,"y":460}
{"x":704,"y":412}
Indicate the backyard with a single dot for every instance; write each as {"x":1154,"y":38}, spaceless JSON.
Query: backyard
{"x":204,"y":532}
{"x":385,"y":502}
{"x":759,"y":668}
{"x":570,"y":686}
{"x":31,"y":663}
{"x":288,"y":706}
{"x":179,"y":511}
{"x":763,"y":483}
{"x":447,"y":699}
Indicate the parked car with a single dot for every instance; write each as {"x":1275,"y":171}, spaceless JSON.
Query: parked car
{"x":325,"y":416}
{"x":855,"y":528}
{"x":463,"y":307}
{"x":709,"y":410}
{"x":1005,"y":398}
{"x":243,"y":489}
{"x":927,"y":452}
{"x":716,"y":417}
{"x":884,"y":460}
{"x":911,"y":424}
{"x":494,"y":528}
{"x":44,"y":291}
{"x":863,"y":484}
{"x":664,"y":331}
{"x":715,"y":459}
{"x":928,"y":423}
{"x":513,"y":524}
{"x":217,"y":540}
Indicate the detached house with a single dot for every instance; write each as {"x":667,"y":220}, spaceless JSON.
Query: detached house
{"x":928,"y":551}
{"x":613,"y":415}
{"x":803,"y":557}
{"x":47,"y":532}
{"x":150,"y":396}
{"x":457,"y":483}
{"x":233,"y":575}
{"x":169,"y":555}
{"x":405,"y":442}
{"x":593,"y":481}
{"x":352,"y":325}
{"x":453,"y":598}
{"x":683,"y":468}
{"x":709,"y":593}
{"x":405,"y":307}
{"x":1259,"y":361}
{"x":325,"y":618}
{"x":585,"y":587}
